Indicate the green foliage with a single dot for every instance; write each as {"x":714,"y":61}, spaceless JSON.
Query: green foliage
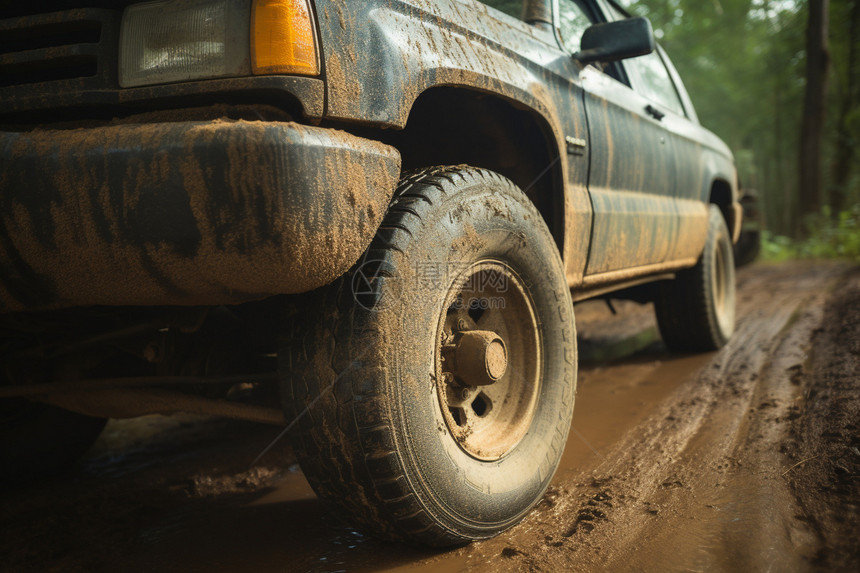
{"x":777,"y":248}
{"x":829,"y":238}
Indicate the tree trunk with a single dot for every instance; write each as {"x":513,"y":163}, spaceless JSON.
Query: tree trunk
{"x":817,"y":60}
{"x":844,"y":161}
{"x":786,"y":192}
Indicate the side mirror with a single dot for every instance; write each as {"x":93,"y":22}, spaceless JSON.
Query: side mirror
{"x":614,"y":41}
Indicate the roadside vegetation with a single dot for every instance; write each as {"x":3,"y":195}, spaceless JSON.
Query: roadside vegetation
{"x":829,"y":236}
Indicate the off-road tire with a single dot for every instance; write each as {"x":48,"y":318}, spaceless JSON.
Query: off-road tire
{"x":696,"y":310}
{"x":359,"y":379}
{"x":37,"y":439}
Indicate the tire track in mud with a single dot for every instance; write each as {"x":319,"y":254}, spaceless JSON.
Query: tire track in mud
{"x":686,"y":471}
{"x":823,"y":446}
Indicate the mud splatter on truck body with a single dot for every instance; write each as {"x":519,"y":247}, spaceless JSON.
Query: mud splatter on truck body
{"x":250,"y":201}
{"x":380,"y":59}
{"x":185,"y":213}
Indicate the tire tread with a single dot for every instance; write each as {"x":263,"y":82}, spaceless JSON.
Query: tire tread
{"x":372,"y":487}
{"x":685,"y":318}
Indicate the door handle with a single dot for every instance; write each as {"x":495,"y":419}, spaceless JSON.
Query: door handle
{"x":654,"y":112}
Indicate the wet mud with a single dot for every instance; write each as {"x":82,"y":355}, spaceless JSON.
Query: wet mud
{"x":743,"y":459}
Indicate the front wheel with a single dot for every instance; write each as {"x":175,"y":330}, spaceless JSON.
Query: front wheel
{"x":696,"y":311}
{"x":434,"y":385}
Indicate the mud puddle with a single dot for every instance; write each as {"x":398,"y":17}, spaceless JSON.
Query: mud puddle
{"x":674,"y":462}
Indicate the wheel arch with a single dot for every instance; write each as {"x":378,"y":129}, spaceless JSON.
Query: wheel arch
{"x":722,"y":195}
{"x":451,"y":125}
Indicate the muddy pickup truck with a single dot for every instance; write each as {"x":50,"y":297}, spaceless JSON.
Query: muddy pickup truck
{"x":366,"y":222}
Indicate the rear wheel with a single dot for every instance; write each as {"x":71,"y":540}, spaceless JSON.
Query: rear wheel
{"x":696,"y":311}
{"x":434,"y":385}
{"x":748,"y":247}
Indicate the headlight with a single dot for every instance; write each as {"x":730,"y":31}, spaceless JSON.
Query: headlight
{"x":181,"y":40}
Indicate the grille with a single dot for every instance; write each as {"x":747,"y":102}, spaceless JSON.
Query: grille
{"x":68,"y":45}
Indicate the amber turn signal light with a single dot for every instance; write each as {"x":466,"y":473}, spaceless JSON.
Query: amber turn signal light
{"x":283,"y":39}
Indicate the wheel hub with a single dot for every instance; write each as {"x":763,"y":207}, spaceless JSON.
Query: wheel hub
{"x":479,"y":358}
{"x":488,"y":360}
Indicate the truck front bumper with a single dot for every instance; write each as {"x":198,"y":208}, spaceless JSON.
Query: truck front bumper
{"x":192,"y":213}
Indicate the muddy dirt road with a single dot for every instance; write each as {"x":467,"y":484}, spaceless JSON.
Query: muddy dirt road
{"x":745,"y":459}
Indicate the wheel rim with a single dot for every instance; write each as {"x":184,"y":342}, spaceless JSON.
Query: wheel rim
{"x":722,"y":283}
{"x":488,"y":360}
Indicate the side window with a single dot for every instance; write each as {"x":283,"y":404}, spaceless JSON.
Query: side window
{"x":510,"y":7}
{"x":651,"y":79}
{"x":572,"y":20}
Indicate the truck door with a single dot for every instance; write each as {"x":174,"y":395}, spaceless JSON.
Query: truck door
{"x":684,"y":141}
{"x":630,"y":177}
{"x":642,"y":167}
